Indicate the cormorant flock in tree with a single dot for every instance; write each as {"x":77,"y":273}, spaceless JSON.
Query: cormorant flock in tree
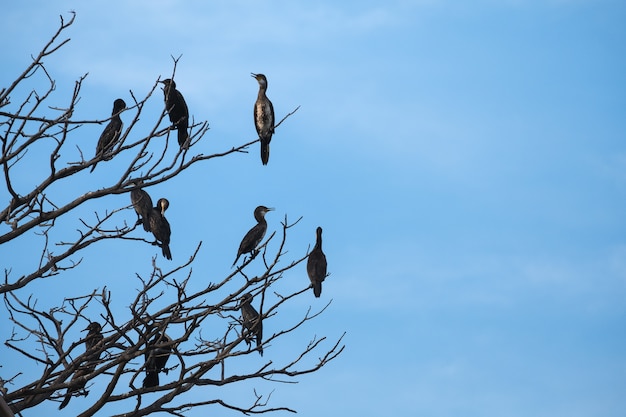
{"x":111,"y":133}
{"x":316,"y":265}
{"x":254,"y":236}
{"x":93,"y":348}
{"x":263,"y":118}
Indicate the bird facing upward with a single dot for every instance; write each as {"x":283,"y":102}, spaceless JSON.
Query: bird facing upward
{"x":160,"y":227}
{"x":316,"y":265}
{"x":177,"y":109}
{"x":254,"y":236}
{"x":93,"y":348}
{"x":263,"y":118}
{"x":111,"y":133}
{"x":252,"y":322}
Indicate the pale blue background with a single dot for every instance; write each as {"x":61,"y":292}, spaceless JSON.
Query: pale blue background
{"x":467,"y":161}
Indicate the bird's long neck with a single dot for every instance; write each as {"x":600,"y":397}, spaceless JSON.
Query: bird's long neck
{"x":318,"y":242}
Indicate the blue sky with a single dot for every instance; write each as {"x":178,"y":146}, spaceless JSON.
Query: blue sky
{"x":467,"y":161}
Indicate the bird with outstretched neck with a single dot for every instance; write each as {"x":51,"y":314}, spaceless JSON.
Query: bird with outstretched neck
{"x":263,"y":118}
{"x":254,"y":236}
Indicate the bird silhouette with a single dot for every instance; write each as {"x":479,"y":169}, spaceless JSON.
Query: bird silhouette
{"x":157,"y":353}
{"x":111,"y":133}
{"x":263,"y":118}
{"x":254,"y":236}
{"x":252,"y":322}
{"x":177,"y":109}
{"x":142,"y":203}
{"x":93,"y":349}
{"x":316,"y":265}
{"x":160,"y":227}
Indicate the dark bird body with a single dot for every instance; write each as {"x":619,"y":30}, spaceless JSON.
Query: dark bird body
{"x":111,"y":132}
{"x":316,"y":265}
{"x":263,"y":118}
{"x":251,"y":322}
{"x":142,"y":203}
{"x":254,"y":236}
{"x":157,"y":353}
{"x":160,"y":227}
{"x":93,"y":348}
{"x":177,"y":109}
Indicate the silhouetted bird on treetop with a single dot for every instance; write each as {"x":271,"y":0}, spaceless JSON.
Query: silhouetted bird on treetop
{"x":263,"y":118}
{"x":160,"y":227}
{"x":142,"y":203}
{"x":252,"y":322}
{"x":177,"y":109}
{"x":157,"y":353}
{"x":93,"y":349}
{"x":316,"y":265}
{"x":111,"y":133}
{"x":254,"y":236}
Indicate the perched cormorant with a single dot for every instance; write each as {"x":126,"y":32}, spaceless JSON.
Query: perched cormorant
{"x":160,"y":227}
{"x":157,"y":352}
{"x":177,"y":110}
{"x":316,"y":265}
{"x":111,"y":132}
{"x":251,"y":322}
{"x":254,"y":236}
{"x":142,"y":204}
{"x":263,"y":118}
{"x":93,"y":347}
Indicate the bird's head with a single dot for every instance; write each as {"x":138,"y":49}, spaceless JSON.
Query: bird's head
{"x":93,"y":327}
{"x":260,"y":79}
{"x":163,"y":204}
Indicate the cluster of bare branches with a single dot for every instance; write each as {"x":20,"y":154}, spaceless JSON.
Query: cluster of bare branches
{"x":163,"y":303}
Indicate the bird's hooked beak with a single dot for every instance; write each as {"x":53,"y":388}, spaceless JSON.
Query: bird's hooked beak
{"x":254,"y":75}
{"x":270,"y":209}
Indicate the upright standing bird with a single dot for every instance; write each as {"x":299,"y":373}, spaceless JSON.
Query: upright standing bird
{"x":157,"y":353}
{"x":254,"y":236}
{"x":160,"y":227}
{"x":252,"y":322}
{"x":177,"y":110}
{"x":316,"y":265}
{"x":111,"y":132}
{"x":142,"y":203}
{"x":93,"y":348}
{"x":263,"y":118}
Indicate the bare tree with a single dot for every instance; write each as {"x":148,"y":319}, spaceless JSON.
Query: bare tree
{"x":190,"y":338}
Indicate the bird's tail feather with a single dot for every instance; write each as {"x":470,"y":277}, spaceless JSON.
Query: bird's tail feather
{"x":317,"y":289}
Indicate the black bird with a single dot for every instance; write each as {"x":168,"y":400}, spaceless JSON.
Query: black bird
{"x":93,"y":348}
{"x":142,"y":203}
{"x":263,"y":118}
{"x":177,"y":110}
{"x":254,"y":236}
{"x":157,"y":353}
{"x":251,"y":322}
{"x":111,"y":132}
{"x":316,"y":265}
{"x":160,"y":227}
